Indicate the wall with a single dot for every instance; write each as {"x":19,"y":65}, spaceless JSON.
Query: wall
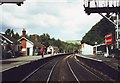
{"x":87,"y":49}
{"x":29,"y":45}
{"x":23,"y":43}
{"x":50,"y":49}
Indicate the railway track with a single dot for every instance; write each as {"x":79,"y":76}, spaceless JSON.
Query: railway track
{"x":46,"y":70}
{"x":21,"y":72}
{"x":81,"y":72}
{"x":60,"y":69}
{"x":49,"y":69}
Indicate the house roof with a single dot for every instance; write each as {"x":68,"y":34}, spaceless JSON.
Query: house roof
{"x":9,"y":38}
{"x":38,"y":44}
{"x":15,"y":41}
{"x":26,"y":39}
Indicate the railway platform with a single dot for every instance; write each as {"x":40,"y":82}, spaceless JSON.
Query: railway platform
{"x":7,"y":64}
{"x":112,"y":62}
{"x":15,"y":62}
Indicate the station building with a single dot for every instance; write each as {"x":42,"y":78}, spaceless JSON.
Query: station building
{"x":9,"y":46}
{"x":28,"y":46}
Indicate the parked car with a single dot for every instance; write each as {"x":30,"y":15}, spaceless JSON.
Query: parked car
{"x":100,"y":53}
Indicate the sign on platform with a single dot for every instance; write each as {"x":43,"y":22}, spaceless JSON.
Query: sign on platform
{"x":109,"y":39}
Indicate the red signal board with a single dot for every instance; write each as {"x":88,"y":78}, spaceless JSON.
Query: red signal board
{"x":109,"y":39}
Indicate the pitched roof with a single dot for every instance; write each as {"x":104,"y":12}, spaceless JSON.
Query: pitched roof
{"x":38,"y":44}
{"x":9,"y":38}
{"x":26,"y":39}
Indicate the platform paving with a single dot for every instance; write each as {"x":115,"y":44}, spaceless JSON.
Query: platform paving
{"x":112,"y":62}
{"x":7,"y":64}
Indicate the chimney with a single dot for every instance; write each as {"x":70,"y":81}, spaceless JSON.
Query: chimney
{"x":23,"y":32}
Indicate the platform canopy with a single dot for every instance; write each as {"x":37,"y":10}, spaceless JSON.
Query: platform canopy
{"x":102,"y":6}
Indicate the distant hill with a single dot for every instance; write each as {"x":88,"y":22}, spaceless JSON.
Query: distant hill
{"x":98,"y":32}
{"x":74,"y":41}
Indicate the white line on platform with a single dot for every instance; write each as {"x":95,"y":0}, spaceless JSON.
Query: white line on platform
{"x":89,"y":58}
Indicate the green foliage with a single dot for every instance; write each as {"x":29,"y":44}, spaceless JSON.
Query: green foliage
{"x":17,"y":36}
{"x":32,"y":37}
{"x":10,"y":32}
{"x":46,"y":40}
{"x":69,"y":47}
{"x":63,"y":46}
{"x":98,"y":32}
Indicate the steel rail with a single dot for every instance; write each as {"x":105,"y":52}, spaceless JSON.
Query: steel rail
{"x":28,"y":76}
{"x":87,"y":69}
{"x":50,"y":74}
{"x":33,"y":72}
{"x":72,"y":72}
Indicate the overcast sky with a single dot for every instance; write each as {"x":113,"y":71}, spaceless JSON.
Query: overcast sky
{"x":61,"y":19}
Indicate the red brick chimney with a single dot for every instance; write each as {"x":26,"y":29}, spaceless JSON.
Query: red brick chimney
{"x":23,"y":32}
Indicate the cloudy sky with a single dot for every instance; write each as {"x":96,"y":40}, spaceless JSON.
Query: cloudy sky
{"x":61,"y":19}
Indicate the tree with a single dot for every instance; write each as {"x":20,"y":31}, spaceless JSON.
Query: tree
{"x":7,"y":32}
{"x":12,"y":33}
{"x":17,"y":36}
{"x":58,"y":43}
{"x":45,"y":38}
{"x":31,"y":37}
{"x":52,"y":41}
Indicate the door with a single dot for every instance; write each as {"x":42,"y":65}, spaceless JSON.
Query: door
{"x":28,"y":51}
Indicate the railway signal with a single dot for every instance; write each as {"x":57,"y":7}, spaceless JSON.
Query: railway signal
{"x":18,"y":2}
{"x":109,"y":39}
